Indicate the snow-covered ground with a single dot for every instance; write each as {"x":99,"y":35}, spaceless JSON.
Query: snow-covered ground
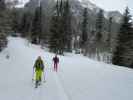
{"x":78,"y":78}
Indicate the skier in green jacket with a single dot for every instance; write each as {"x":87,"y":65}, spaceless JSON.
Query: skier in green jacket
{"x":39,"y":69}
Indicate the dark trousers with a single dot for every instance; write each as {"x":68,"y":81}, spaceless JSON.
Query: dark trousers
{"x":55,"y":67}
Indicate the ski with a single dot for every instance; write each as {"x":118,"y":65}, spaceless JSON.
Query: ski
{"x":39,"y":84}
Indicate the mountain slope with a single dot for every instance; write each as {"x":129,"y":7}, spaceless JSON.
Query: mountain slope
{"x":78,"y":78}
{"x":77,"y":6}
{"x":88,"y":4}
{"x":115,"y":14}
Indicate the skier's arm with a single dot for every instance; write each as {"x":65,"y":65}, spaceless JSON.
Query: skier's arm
{"x":58,"y":60}
{"x":43,"y":66}
{"x":35,"y":65}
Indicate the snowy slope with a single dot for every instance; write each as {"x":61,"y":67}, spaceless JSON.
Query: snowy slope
{"x":88,"y":4}
{"x":22,"y":3}
{"x":79,"y":78}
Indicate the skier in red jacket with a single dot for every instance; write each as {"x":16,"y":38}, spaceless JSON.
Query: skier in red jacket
{"x":56,"y":61}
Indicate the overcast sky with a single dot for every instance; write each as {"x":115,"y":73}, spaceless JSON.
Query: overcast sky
{"x":114,"y":4}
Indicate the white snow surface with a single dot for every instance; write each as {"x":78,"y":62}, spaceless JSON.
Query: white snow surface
{"x":78,"y":78}
{"x":88,"y":4}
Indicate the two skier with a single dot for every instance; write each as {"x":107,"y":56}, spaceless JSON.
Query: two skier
{"x":39,"y":69}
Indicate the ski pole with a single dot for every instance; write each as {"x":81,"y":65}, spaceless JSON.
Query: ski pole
{"x":33,"y":75}
{"x":44,"y":75}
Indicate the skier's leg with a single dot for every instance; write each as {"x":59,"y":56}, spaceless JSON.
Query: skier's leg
{"x":57,"y":66}
{"x":36,"y":84}
{"x":37,"y":78}
{"x":54,"y":66}
{"x":40,"y":76}
{"x":44,"y":76}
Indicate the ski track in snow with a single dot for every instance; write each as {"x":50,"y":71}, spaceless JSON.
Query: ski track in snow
{"x":17,"y":83}
{"x":78,"y":78}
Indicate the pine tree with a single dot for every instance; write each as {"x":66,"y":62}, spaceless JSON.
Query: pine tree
{"x":37,"y":26}
{"x":110,"y":24}
{"x":61,"y":33}
{"x":66,"y":25}
{"x":56,"y":39}
{"x":4,"y":25}
{"x":24,"y":25}
{"x":54,"y":42}
{"x":84,"y":27}
{"x":2,"y":5}
{"x":4,"y":18}
{"x":109,"y":33}
{"x":3,"y":41}
{"x":15,"y":20}
{"x":123,"y":53}
{"x":99,"y":25}
{"x":99,"y":34}
{"x":55,"y":35}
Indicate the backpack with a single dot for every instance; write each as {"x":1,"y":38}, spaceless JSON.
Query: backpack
{"x":39,"y":65}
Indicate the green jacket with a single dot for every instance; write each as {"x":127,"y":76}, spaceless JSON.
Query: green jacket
{"x":39,"y":65}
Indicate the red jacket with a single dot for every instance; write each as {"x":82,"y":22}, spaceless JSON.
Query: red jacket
{"x":56,"y":60}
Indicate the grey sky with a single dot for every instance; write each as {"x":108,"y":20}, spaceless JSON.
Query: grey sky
{"x":119,"y":5}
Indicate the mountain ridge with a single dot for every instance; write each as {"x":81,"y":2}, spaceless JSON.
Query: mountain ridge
{"x":116,"y":14}
{"x":93,"y":8}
